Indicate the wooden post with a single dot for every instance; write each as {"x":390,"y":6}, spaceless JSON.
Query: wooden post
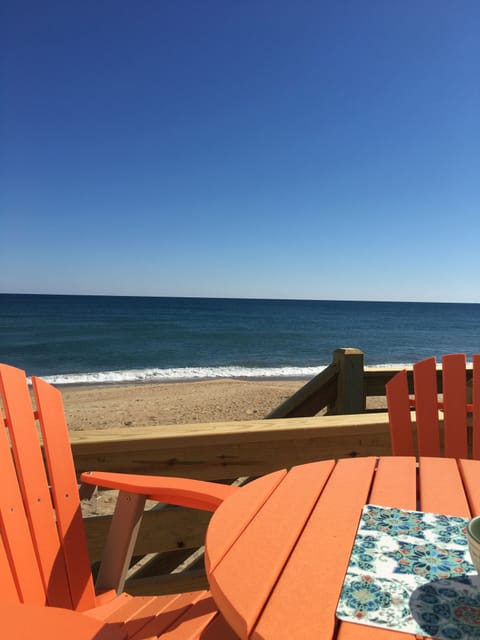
{"x":350,"y":392}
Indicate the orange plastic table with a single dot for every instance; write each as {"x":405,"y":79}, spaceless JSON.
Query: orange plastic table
{"x":277,"y":550}
{"x":24,"y":622}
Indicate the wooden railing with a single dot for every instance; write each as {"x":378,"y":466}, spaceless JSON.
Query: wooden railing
{"x":293,"y":434}
{"x":214,"y":451}
{"x":341,"y":388}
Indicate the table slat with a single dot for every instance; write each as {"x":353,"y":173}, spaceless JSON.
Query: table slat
{"x":251,"y":567}
{"x":470,"y":472}
{"x":234,"y":515}
{"x":310,"y":586}
{"x":441,"y":487}
{"x":395,"y":485}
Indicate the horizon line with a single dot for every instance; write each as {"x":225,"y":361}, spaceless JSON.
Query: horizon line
{"x":253,"y":298}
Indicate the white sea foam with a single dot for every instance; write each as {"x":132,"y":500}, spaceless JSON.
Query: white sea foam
{"x":390,"y":365}
{"x":184,"y":373}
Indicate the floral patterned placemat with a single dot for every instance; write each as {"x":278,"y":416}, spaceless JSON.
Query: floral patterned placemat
{"x":411,"y":571}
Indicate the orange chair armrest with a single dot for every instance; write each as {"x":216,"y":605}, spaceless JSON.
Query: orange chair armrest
{"x":196,"y":494}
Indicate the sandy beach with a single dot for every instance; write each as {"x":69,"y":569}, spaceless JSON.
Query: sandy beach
{"x":102,"y":407}
{"x":129,"y":406}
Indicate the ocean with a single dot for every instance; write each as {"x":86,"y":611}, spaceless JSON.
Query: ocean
{"x":103,"y":339}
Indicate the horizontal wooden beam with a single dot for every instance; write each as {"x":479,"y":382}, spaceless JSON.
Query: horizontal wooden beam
{"x":376,"y":378}
{"x":228,"y":450}
{"x":166,"y":530}
{"x":168,"y":583}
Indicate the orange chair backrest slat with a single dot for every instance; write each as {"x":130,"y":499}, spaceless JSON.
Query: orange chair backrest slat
{"x":64,"y":487}
{"x":426,"y":407}
{"x":16,"y":536}
{"x":454,"y":409}
{"x":33,"y":542}
{"x":399,"y":415}
{"x":454,"y":367}
{"x":18,"y":560}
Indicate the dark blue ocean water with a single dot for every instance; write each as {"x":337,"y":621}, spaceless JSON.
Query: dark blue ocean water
{"x":92,"y":339}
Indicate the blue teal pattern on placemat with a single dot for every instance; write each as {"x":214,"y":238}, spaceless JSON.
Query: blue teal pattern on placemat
{"x":411,"y":571}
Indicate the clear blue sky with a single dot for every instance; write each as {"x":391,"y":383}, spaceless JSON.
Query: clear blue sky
{"x":247,"y":148}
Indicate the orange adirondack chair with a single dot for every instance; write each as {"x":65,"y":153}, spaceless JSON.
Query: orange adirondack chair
{"x":43,"y":552}
{"x":454,"y":406}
